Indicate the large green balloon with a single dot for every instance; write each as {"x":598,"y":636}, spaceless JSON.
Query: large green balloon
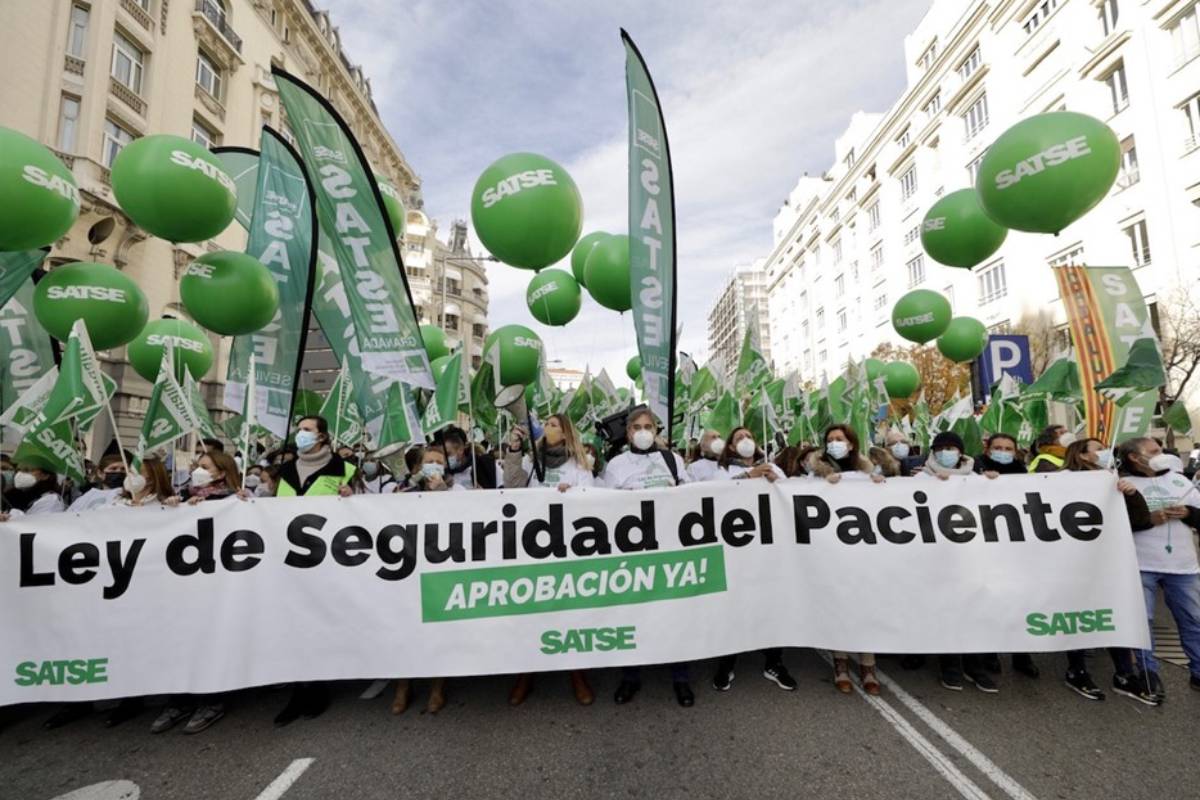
{"x":39,"y":200}
{"x":608,"y":273}
{"x":192,"y":349}
{"x":520,"y":354}
{"x":553,"y":297}
{"x":434,"y":339}
{"x":526,"y":210}
{"x":633,"y":368}
{"x":393,"y":203}
{"x":583,"y":249}
{"x":957,"y":233}
{"x":874,"y":368}
{"x":111,"y":305}
{"x":174,"y":188}
{"x":1047,"y":171}
{"x":963,"y":340}
{"x":229,"y":293}
{"x":901,"y":379}
{"x":921,"y":315}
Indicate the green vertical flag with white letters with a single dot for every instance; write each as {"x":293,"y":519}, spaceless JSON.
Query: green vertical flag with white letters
{"x":26,"y":354}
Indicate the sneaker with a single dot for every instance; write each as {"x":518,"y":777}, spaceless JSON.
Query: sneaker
{"x":723,"y":680}
{"x":952,"y":681}
{"x":1023,"y":663}
{"x":169,"y":718}
{"x":778,"y":674}
{"x":1134,"y":686}
{"x":204,"y":718}
{"x":1081,"y":682}
{"x":983,"y":682}
{"x":1156,"y":686}
{"x":1194,"y":682}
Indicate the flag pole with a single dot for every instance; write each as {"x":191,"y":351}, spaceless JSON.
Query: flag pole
{"x":248,"y":419}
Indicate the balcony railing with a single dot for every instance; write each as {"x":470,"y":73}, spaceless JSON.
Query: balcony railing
{"x":127,"y":96}
{"x":73,"y":64}
{"x":216,"y":17}
{"x":1191,"y":143}
{"x":137,"y":12}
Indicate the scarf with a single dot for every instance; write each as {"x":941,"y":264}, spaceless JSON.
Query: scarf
{"x":313,"y":460}
{"x":966,"y":466}
{"x":1056,"y":450}
{"x":216,"y":489}
{"x":554,"y":456}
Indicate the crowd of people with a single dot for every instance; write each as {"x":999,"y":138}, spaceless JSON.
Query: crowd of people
{"x":1162,"y":502}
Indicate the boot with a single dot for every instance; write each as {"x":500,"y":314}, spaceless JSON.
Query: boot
{"x":841,"y":675}
{"x":437,"y":696}
{"x":520,"y":689}
{"x":583,"y":692}
{"x":403,"y":696}
{"x":870,"y":683}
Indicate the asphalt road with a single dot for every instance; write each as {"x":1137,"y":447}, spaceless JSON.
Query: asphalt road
{"x":1035,"y":739}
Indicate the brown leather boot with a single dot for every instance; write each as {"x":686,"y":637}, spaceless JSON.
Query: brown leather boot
{"x":520,"y":689}
{"x":841,"y":675}
{"x":437,"y":696}
{"x":402,"y":697}
{"x":870,"y":683}
{"x":583,"y":692}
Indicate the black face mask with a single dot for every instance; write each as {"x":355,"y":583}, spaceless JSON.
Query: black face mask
{"x":114,"y":480}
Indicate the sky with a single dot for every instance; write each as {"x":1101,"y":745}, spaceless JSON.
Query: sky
{"x":751,"y":101}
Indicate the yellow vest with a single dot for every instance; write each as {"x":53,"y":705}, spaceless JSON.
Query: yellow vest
{"x":324,"y":485}
{"x":1055,"y":460}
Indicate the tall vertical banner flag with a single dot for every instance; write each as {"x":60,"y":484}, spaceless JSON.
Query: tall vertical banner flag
{"x":651,"y":237}
{"x":1107,"y":314}
{"x":281,"y":236}
{"x":26,"y":354}
{"x":350,"y":209}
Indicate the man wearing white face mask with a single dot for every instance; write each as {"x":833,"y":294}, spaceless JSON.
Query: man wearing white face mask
{"x":705,"y":468}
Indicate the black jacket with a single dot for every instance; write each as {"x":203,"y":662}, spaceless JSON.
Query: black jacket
{"x":484,"y":476}
{"x":985,"y":464}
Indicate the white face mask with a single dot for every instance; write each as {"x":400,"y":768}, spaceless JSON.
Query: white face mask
{"x":1066,"y":440}
{"x":134,"y":483}
{"x":837,"y":448}
{"x":1164,"y":462}
{"x":262,"y":490}
{"x":432,"y":470}
{"x":643,"y":439}
{"x":900,"y":450}
{"x":745,"y":447}
{"x":252,"y":481}
{"x":1104,"y":458}
{"x":201,"y":477}
{"x":24,"y":480}
{"x":716,"y":446}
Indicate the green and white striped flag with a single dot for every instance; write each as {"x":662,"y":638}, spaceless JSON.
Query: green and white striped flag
{"x":169,"y":415}
{"x":340,"y":411}
{"x":442,"y":409}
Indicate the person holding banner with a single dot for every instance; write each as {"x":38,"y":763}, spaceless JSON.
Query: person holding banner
{"x":901,"y":449}
{"x":646,"y":466}
{"x":565,"y":467}
{"x":317,"y":470}
{"x":470,"y":467}
{"x":112,"y":478}
{"x":1001,"y":456}
{"x":1166,"y":553}
{"x":1050,"y":449}
{"x":35,"y":490}
{"x":705,"y":466}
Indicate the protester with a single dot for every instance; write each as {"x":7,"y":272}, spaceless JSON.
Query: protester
{"x":791,"y":460}
{"x":35,"y":490}
{"x":1166,"y":553}
{"x":412,"y":467}
{"x":471,"y":467}
{"x":1001,"y":456}
{"x":112,"y":478}
{"x":592,"y":459}
{"x":884,"y":462}
{"x":563,"y":465}
{"x":902,"y":450}
{"x":645,"y":465}
{"x":948,"y":457}
{"x":704,"y":467}
{"x":1050,"y":449}
{"x":376,"y":478}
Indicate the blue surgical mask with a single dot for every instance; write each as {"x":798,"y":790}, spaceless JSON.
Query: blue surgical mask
{"x":837,"y":449}
{"x":1001,"y":456}
{"x":946,"y":458}
{"x":370,"y":470}
{"x":900,"y":450}
{"x":305,"y":440}
{"x":432,"y":470}
{"x":454,"y":462}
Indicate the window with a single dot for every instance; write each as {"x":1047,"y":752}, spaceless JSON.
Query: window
{"x":451,"y":322}
{"x":479,"y":330}
{"x":208,"y":77}
{"x":837,"y":251}
{"x":820,"y":318}
{"x":849,"y":159}
{"x":904,"y":139}
{"x":841,"y":321}
{"x":127,"y":63}
{"x":934,"y":105}
{"x":1129,"y":164}
{"x":992,"y":282}
{"x":908,"y":183}
{"x":973,"y":168}
{"x":1039,"y":14}
{"x":204,"y":135}
{"x":68,"y":123}
{"x":876,"y":256}
{"x":916,"y":271}
{"x":839,"y":285}
{"x":115,"y":137}
{"x":1118,"y":92}
{"x":1185,"y":36}
{"x":912,"y":234}
{"x":976,"y":117}
{"x":1072,"y":257}
{"x":1191,"y":115}
{"x":804,"y":301}
{"x":948,"y":293}
{"x":928,"y":57}
{"x":971,"y":63}
{"x":873,"y":217}
{"x":880,"y":301}
{"x":1139,"y":241}
{"x":77,"y":31}
{"x":1108,"y":15}
{"x":804,"y":329}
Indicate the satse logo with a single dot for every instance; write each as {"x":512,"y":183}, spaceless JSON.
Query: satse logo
{"x":1052,"y":156}
{"x":86,"y":293}
{"x":516,"y":183}
{"x":200,"y":165}
{"x":39,"y":177}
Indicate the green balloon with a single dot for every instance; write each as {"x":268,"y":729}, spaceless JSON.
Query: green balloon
{"x":623,"y":394}
{"x":174,"y":188}
{"x":229,"y":293}
{"x":39,"y":200}
{"x":393,"y":203}
{"x":520,"y":354}
{"x":963,"y":340}
{"x":633,"y":368}
{"x":583,"y":249}
{"x":874,"y":368}
{"x":1047,"y":171}
{"x":307,"y":403}
{"x":192,"y":349}
{"x":901,"y":379}
{"x":553,"y":297}
{"x":921,"y":315}
{"x":526,"y":210}
{"x":608,"y":273}
{"x":438,"y":366}
{"x":957,"y":233}
{"x":111,"y":305}
{"x":434,"y":339}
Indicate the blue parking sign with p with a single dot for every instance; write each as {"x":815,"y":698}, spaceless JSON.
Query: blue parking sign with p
{"x":1005,"y":354}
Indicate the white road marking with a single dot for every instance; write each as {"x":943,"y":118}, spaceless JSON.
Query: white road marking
{"x":107,"y":790}
{"x":952,"y":737}
{"x":285,"y":779}
{"x":374,"y":690}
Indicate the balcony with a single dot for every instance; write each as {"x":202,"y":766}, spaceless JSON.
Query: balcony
{"x":127,"y":96}
{"x":138,"y":13}
{"x":214,"y":15}
{"x":73,"y":65}
{"x":1191,"y":143}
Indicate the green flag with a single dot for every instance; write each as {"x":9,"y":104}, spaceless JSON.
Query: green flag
{"x":26,"y":354}
{"x":752,"y":369}
{"x":442,"y":410}
{"x":170,"y":414}
{"x":724,"y":416}
{"x":1141,"y":372}
{"x":922,"y":424}
{"x":21,"y":415}
{"x":339,"y":410}
{"x":704,"y":389}
{"x":1003,"y":414}
{"x":483,"y":396}
{"x":1177,"y":418}
{"x":81,"y":391}
{"x":1060,"y":381}
{"x":204,"y":422}
{"x":16,"y":268}
{"x":401,"y":423}
{"x":52,"y":447}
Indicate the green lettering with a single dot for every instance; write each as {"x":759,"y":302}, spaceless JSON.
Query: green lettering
{"x":625,"y":638}
{"x":26,"y":673}
{"x":551,"y":643}
{"x":1104,"y":619}
{"x":1036,"y":625}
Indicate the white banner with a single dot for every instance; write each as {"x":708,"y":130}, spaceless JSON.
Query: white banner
{"x":232,"y":593}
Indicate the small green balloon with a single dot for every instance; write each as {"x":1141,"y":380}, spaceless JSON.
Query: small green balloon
{"x":110,"y":304}
{"x":520,"y":354}
{"x":393,"y":203}
{"x":39,"y":200}
{"x":901,"y":379}
{"x":229,"y":293}
{"x":553,"y":297}
{"x":583,"y":249}
{"x":957,"y":233}
{"x":874,"y":368}
{"x":526,"y":210}
{"x":434,"y":339}
{"x":963,"y":340}
{"x":174,"y":188}
{"x":1047,"y":171}
{"x":921,"y":315}
{"x":191,"y":348}
{"x":608,"y":273}
{"x":307,"y":403}
{"x":633,"y":368}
